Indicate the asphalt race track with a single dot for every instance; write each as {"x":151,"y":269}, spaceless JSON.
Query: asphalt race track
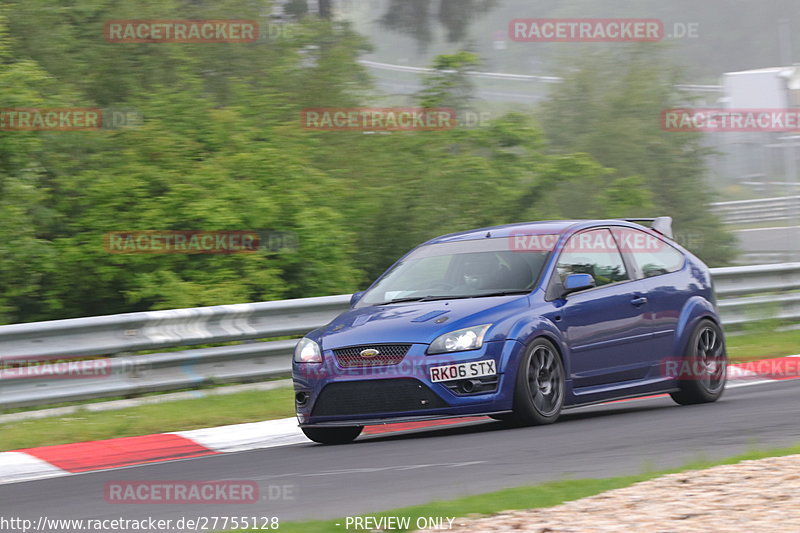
{"x":387,"y":471}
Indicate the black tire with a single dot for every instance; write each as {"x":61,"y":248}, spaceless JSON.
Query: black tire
{"x":333,"y":435}
{"x":707,"y":361}
{"x":539,"y":390}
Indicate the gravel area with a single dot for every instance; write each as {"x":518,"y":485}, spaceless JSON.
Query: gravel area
{"x":751,"y":496}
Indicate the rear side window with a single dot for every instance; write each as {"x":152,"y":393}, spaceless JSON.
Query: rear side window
{"x":652,"y":256}
{"x":593,"y":252}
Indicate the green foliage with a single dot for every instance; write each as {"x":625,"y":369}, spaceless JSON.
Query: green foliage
{"x":450,"y":86}
{"x":417,"y":18}
{"x":23,"y":254}
{"x":610,"y":107}
{"x":221,"y":147}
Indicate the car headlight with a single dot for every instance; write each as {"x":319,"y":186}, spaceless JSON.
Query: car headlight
{"x":307,"y":351}
{"x":459,"y":340}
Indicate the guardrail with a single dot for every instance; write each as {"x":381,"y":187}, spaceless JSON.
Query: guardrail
{"x":759,"y":210}
{"x":741,"y":292}
{"x":517,"y":77}
{"x":125,"y":374}
{"x":122,"y":373}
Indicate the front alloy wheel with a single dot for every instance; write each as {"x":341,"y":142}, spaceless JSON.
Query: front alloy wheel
{"x":539,"y":391}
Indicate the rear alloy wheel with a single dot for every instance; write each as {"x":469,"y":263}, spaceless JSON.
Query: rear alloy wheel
{"x":539,"y":392}
{"x":706,"y":364}
{"x":333,"y":435}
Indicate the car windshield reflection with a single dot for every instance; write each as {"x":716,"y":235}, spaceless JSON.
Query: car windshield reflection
{"x":463,"y":269}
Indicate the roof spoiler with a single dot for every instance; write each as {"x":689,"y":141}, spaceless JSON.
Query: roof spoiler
{"x":662,"y":225}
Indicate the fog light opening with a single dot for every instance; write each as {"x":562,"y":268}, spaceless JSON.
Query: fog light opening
{"x":468,"y":386}
{"x":301,"y":398}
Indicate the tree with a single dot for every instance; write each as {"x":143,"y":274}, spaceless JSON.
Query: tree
{"x":220,"y":148}
{"x":610,"y":107}
{"x":408,"y":187}
{"x":23,"y":254}
{"x":456,"y":15}
{"x":450,"y":86}
{"x":415,"y":18}
{"x":325,"y":9}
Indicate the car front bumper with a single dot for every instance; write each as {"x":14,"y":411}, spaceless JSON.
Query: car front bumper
{"x":334,"y":395}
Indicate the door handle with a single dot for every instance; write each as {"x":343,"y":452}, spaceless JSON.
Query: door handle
{"x":641,"y":300}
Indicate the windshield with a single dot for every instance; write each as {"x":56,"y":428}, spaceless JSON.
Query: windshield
{"x":464,"y":269}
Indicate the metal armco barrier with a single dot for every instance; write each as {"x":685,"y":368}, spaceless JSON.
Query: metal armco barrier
{"x":125,"y":374}
{"x":759,"y":210}
{"x":516,"y":77}
{"x":743,"y":297}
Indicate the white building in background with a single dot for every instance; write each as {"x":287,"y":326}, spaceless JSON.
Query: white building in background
{"x":766,"y":161}
{"x":764,"y":88}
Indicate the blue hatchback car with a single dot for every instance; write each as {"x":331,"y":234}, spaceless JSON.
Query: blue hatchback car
{"x":516,"y":322}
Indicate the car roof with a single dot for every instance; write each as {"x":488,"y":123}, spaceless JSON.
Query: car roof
{"x":552,"y":227}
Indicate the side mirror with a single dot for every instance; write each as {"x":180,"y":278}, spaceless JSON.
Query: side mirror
{"x":578,"y":282}
{"x":355,"y":298}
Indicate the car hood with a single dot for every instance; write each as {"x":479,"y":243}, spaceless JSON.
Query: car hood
{"x":417,"y":322}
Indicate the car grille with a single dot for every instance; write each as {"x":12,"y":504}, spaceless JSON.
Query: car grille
{"x":375,"y":396}
{"x":389,"y":354}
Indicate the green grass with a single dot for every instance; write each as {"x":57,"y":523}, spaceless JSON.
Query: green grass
{"x":763,"y":345}
{"x":253,"y":406}
{"x":533,"y":497}
{"x":178,"y":415}
{"x":203,"y":387}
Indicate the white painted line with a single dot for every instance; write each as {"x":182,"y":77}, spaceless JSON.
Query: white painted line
{"x":765,"y":229}
{"x":370,"y":470}
{"x":19,"y":466}
{"x":740,"y":384}
{"x":252,"y":436}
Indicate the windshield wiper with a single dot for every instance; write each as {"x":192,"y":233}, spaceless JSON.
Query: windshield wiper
{"x":486,"y":294}
{"x":453,"y":297}
{"x":501,"y":293}
{"x":415,"y":299}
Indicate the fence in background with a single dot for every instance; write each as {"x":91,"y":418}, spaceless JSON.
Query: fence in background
{"x":746,"y":294}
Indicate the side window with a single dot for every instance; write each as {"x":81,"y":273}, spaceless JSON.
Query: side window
{"x":666,"y":260}
{"x":593,"y":252}
{"x":653,"y":256}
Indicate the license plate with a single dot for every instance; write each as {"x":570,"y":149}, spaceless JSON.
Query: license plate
{"x":475,"y":369}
